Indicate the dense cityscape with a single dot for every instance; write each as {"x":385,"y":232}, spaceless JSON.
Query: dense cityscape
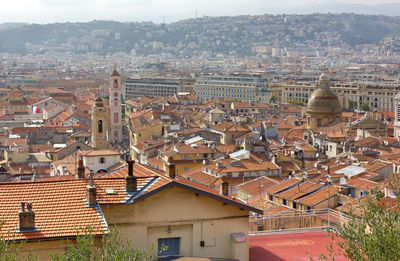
{"x":211,"y":138}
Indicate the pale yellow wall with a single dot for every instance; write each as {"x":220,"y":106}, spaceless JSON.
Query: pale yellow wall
{"x":42,"y":249}
{"x":146,"y":134}
{"x":180,"y":166}
{"x":16,"y":157}
{"x":190,"y":217}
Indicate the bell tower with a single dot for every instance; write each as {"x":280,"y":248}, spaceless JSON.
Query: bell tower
{"x":115,"y":107}
{"x":99,"y":125}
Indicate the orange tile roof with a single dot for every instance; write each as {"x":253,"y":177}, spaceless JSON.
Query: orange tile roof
{"x":245,"y":165}
{"x":299,"y":190}
{"x":257,"y":186}
{"x":104,"y":152}
{"x":319,"y":196}
{"x":154,"y":181}
{"x":283,"y":185}
{"x":59,"y":207}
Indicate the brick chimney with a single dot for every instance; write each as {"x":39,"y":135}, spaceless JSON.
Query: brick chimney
{"x":26,"y":217}
{"x":224,"y":187}
{"x":171,"y":167}
{"x":81,"y":169}
{"x":130,"y":180}
{"x":91,"y":191}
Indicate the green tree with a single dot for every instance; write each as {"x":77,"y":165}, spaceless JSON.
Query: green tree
{"x":9,"y":249}
{"x":364,"y":106}
{"x":300,"y":103}
{"x":273,"y":98}
{"x":352,"y":105}
{"x":112,"y":247}
{"x":373,"y":233}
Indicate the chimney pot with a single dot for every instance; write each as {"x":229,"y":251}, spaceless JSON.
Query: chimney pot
{"x":171,"y":167}
{"x":130,"y":167}
{"x":26,"y":218}
{"x":130,"y":180}
{"x":81,"y":169}
{"x":91,"y":191}
{"x":225,"y":188}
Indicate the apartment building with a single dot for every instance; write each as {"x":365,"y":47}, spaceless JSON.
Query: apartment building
{"x":375,"y":96}
{"x":228,"y":87}
{"x":163,"y":87}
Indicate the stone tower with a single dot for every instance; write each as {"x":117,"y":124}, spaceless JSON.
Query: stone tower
{"x":115,"y":108}
{"x":99,"y":125}
{"x":396,"y":124}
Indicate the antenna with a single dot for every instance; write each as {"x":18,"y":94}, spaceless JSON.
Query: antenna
{"x":196,"y":13}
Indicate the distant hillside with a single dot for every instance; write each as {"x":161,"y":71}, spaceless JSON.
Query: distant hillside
{"x":203,"y":36}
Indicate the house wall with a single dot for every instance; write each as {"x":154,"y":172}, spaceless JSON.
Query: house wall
{"x":70,"y":149}
{"x":93,"y":163}
{"x":140,"y":136}
{"x":176,"y":212}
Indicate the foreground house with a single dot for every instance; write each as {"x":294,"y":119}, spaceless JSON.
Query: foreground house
{"x":145,"y":205}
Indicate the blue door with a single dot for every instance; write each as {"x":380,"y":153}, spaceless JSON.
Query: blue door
{"x":172,"y":246}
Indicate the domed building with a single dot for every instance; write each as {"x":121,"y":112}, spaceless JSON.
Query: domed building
{"x":323,"y":105}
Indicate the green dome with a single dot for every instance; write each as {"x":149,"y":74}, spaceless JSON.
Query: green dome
{"x":323,"y":101}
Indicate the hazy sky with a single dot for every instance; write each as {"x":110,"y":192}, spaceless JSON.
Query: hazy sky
{"x":49,"y":11}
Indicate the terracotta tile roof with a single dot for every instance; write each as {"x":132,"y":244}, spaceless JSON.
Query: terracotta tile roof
{"x":375,"y":165}
{"x":229,"y":165}
{"x":59,"y":207}
{"x":300,"y":190}
{"x":283,"y":185}
{"x":288,"y":166}
{"x":307,"y":147}
{"x":260,"y":202}
{"x":156,"y":181}
{"x":15,"y":142}
{"x":104,"y":152}
{"x":368,"y":142}
{"x":275,"y":210}
{"x":361,"y":183}
{"x":389,"y":114}
{"x":226,"y":126}
{"x":139,"y":170}
{"x":257,"y":186}
{"x":319,"y":196}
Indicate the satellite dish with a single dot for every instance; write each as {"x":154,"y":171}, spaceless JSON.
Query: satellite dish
{"x":342,"y":181}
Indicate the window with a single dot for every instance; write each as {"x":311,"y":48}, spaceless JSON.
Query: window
{"x":116,"y":119}
{"x":115,"y":83}
{"x":172,"y":245}
{"x":102,"y":160}
{"x":100,"y":126}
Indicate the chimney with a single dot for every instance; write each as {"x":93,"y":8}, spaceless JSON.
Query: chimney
{"x":26,"y":217}
{"x":91,"y":191}
{"x":81,"y":169}
{"x":130,"y":180}
{"x":171,"y":167}
{"x":225,"y":188}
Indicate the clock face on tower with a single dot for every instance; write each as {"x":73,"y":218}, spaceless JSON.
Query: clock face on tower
{"x":115,"y":94}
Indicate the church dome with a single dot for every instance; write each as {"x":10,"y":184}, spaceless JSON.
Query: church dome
{"x":324,"y":101}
